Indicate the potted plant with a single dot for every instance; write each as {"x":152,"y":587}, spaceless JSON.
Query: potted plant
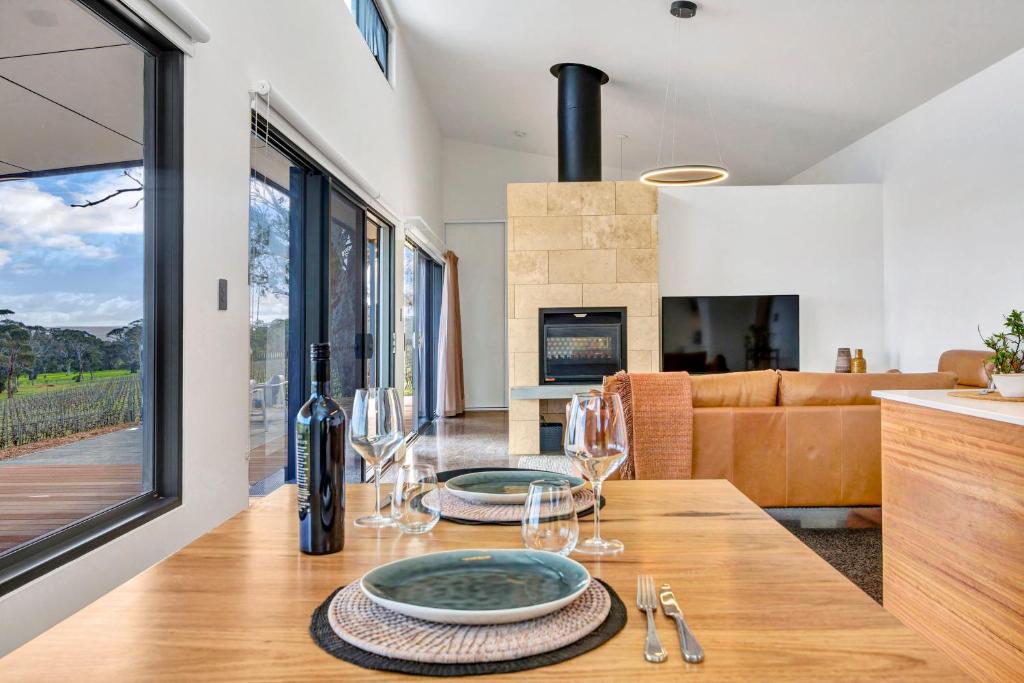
{"x":1008,"y":356}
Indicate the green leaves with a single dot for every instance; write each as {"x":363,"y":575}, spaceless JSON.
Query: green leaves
{"x":1008,"y":347}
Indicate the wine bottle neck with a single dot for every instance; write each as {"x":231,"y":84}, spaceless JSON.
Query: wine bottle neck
{"x":320,"y":374}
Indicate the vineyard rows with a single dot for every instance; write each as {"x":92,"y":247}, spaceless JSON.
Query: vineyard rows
{"x":53,"y":414}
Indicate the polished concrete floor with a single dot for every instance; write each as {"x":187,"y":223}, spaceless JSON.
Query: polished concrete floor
{"x":476,"y":439}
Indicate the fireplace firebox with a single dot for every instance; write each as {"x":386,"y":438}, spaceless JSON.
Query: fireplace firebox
{"x":581,"y":345}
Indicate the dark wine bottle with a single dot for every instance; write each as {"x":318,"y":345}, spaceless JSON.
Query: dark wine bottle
{"x":319,"y":462}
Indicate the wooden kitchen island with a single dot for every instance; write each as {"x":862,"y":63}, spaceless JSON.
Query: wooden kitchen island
{"x":953,"y":525}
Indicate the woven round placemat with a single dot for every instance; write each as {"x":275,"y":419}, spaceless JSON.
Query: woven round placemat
{"x":460,"y":510}
{"x":445,"y":475}
{"x":458,"y":650}
{"x":990,"y":396}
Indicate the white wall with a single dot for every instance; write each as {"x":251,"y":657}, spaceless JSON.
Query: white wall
{"x":313,"y":51}
{"x":953,"y":212}
{"x":481,"y":251}
{"x":475,"y":177}
{"x":821,"y":242}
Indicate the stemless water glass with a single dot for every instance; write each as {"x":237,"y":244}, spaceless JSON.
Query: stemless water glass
{"x":409,"y":509}
{"x":549,"y":518}
{"x":595,"y":439}
{"x":375,"y":432}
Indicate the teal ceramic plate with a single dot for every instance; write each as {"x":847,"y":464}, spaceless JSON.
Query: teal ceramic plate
{"x":502,"y":487}
{"x":477,"y":586}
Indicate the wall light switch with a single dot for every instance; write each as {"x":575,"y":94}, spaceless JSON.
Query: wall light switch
{"x":222,"y":294}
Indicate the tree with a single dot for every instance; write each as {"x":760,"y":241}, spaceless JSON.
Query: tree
{"x":127,"y":345}
{"x":82,"y":349}
{"x":269,"y":222}
{"x":16,"y":353}
{"x":47,"y":355}
{"x":138,"y":187}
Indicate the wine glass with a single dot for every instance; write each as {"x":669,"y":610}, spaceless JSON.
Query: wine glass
{"x":410,"y":510}
{"x":375,"y":432}
{"x":549,"y":517}
{"x":595,"y":439}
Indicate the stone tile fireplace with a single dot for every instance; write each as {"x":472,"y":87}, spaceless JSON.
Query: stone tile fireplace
{"x":576,"y":245}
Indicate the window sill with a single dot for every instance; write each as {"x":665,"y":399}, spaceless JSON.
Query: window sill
{"x":45,"y":554}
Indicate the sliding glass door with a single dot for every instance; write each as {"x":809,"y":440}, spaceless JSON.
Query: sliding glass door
{"x":275,"y":191}
{"x":377,"y":341}
{"x":421,"y":313}
{"x":358,"y":273}
{"x":320,"y":269}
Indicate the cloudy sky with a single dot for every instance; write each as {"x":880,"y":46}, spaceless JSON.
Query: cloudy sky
{"x":68,"y":266}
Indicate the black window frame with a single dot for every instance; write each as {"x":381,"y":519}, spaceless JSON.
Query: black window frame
{"x":163,"y":255}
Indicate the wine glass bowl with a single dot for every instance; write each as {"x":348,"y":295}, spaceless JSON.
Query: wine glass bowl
{"x":596,"y":440}
{"x":375,"y":432}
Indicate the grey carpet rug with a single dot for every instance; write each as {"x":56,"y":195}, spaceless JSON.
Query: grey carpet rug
{"x":856,"y":553}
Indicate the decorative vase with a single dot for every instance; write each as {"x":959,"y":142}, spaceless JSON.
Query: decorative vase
{"x":843,"y":360}
{"x":858,"y":364}
{"x":1010,"y":386}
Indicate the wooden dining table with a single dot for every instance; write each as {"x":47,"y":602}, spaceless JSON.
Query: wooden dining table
{"x":236,"y":603}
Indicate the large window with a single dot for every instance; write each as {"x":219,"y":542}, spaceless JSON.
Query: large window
{"x":90,"y":281}
{"x":374,"y":29}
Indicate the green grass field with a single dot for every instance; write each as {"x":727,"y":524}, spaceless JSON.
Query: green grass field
{"x":59,"y":381}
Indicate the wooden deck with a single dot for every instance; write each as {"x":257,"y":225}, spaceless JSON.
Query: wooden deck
{"x":267,"y":458}
{"x":36,"y":499}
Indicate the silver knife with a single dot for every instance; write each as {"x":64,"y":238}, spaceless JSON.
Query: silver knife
{"x":692,"y":651}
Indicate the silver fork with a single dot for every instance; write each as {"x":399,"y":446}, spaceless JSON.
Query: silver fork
{"x":647,"y":600}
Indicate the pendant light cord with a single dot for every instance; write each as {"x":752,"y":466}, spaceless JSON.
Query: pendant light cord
{"x":714,"y":131}
{"x":673,"y":40}
{"x":675,"y":90}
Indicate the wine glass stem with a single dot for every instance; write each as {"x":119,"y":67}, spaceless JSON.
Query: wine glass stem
{"x":376,"y":487}
{"x":597,"y":510}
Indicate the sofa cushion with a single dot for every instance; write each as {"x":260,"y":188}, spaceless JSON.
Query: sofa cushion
{"x":758,"y":388}
{"x":841,"y":389}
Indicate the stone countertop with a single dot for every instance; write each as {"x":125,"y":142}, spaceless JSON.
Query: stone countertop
{"x":939,"y":399}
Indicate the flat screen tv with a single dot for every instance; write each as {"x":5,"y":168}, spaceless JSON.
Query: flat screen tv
{"x":704,"y":334}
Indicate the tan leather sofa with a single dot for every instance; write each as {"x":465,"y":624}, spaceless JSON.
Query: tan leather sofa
{"x":796,"y":438}
{"x":968,"y":366}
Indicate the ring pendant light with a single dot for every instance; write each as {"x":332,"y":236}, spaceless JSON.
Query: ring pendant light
{"x":682,"y":175}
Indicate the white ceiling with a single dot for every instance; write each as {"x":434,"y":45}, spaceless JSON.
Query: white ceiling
{"x":70,"y":89}
{"x":789,"y":81}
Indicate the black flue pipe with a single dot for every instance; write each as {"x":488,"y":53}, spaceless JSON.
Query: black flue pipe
{"x":579,"y":121}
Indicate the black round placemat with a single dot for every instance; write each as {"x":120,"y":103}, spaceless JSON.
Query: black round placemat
{"x":329,"y":641}
{"x":451,"y":474}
